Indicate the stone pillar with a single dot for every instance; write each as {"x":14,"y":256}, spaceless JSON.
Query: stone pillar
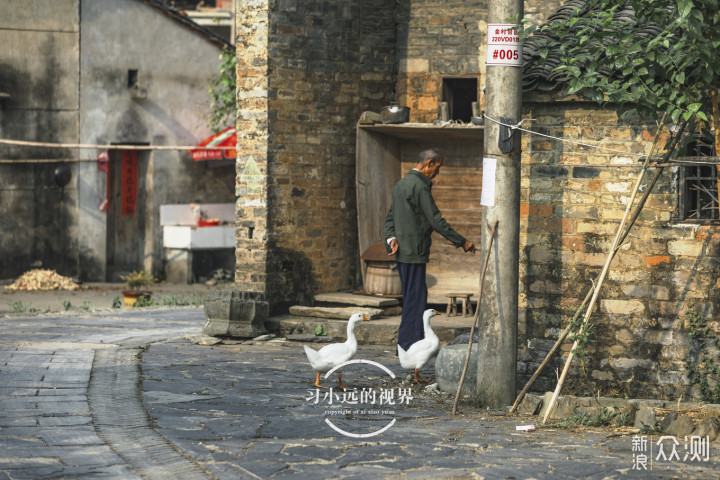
{"x":243,"y":310}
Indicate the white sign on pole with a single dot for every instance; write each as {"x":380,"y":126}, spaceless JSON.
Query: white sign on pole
{"x":487,"y":195}
{"x":503,"y":45}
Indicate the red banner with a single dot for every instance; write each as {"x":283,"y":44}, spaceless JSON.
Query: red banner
{"x":129,"y":182}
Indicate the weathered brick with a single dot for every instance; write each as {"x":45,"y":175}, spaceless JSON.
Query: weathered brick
{"x":654,"y":260}
{"x":685,"y":248}
{"x":623,"y":307}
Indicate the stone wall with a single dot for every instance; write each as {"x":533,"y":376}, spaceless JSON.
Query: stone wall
{"x":306,"y":70}
{"x":573,"y":198}
{"x":439,"y":40}
{"x":39,"y":62}
{"x":65,"y":73}
{"x":436,"y":40}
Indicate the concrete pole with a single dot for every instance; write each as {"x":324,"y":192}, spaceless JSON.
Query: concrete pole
{"x":497,"y":349}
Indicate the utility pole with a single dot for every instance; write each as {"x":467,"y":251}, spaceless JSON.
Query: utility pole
{"x":497,"y":332}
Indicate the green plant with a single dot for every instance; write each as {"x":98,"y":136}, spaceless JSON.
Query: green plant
{"x":320,"y":330}
{"x":645,"y":428}
{"x":144,"y":301}
{"x":622,"y":419}
{"x":137,"y":279}
{"x":223,"y":106}
{"x":584,"y":335}
{"x":179,"y":300}
{"x":67,"y":304}
{"x":117,"y":302}
{"x":18,"y":307}
{"x":702,"y":361}
{"x":664,"y":61}
{"x":606,"y":417}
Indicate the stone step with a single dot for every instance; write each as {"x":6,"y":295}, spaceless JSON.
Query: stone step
{"x":379,"y":332}
{"x":339,"y":313}
{"x":346,"y":298}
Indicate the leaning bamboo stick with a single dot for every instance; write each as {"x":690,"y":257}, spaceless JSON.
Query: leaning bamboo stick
{"x":621,"y":233}
{"x":716,"y":124}
{"x":477,"y":315}
{"x":552,"y":351}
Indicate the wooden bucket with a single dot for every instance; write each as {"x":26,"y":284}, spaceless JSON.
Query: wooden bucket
{"x":380,"y":279}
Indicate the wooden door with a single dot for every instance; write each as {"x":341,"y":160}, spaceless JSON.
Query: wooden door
{"x":125,"y":225}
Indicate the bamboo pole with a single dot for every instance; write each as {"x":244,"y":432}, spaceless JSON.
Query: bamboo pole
{"x":620,"y":235}
{"x":552,"y":351}
{"x":716,"y":124}
{"x":477,"y":315}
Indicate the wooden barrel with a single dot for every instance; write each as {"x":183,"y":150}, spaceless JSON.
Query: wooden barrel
{"x":380,"y":279}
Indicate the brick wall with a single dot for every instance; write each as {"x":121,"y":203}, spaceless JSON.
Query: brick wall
{"x":445,"y":39}
{"x":436,"y":40}
{"x":573,"y":199}
{"x":306,"y":70}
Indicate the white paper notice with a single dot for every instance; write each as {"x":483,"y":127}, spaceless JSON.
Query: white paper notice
{"x":487,"y":196}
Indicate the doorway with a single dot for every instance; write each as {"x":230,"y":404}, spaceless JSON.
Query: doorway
{"x":126,"y":215}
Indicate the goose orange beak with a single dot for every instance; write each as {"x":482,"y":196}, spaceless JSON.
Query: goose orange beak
{"x":365,"y":318}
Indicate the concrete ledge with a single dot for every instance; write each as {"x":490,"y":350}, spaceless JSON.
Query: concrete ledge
{"x":338,"y":313}
{"x":343,"y":298}
{"x":234,"y":313}
{"x":376,"y":332}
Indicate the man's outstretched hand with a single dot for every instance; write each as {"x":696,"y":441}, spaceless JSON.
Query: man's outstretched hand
{"x":469,"y":246}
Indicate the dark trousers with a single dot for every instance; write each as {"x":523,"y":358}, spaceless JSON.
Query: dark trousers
{"x":414,"y":299}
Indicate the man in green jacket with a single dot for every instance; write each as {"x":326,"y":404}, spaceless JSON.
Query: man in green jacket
{"x":409,"y":224}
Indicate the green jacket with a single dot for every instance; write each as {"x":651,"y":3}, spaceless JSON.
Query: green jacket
{"x":412,"y":218}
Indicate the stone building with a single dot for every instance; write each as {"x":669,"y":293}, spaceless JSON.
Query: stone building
{"x":665,"y":280}
{"x":307,"y":71}
{"x":99,"y":72}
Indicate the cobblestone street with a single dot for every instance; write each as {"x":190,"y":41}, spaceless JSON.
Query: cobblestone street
{"x":136,"y":394}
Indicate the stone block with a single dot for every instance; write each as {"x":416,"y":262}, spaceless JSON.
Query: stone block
{"x":530,"y":404}
{"x":669,"y":418}
{"x":645,"y":416}
{"x":234,"y":313}
{"x":685,"y":247}
{"x":710,"y":427}
{"x":623,"y":307}
{"x":449,"y":366}
{"x":545,"y":402}
{"x":680,"y":427}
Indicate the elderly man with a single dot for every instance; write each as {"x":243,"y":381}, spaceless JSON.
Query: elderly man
{"x":409,"y":224}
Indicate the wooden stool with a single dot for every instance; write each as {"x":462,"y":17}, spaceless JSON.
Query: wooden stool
{"x":467,"y":308}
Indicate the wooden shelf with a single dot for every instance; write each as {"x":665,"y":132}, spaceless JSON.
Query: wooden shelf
{"x":416,"y":131}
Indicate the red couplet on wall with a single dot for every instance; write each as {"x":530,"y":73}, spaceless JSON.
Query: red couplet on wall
{"x":129,"y":182}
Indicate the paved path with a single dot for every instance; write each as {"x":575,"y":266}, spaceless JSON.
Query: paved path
{"x":133,"y":394}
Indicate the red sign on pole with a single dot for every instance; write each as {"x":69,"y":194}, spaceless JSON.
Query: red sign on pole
{"x":129,"y":182}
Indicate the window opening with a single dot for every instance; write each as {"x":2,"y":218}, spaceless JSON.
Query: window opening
{"x":460,"y":93}
{"x":699,"y":186}
{"x":132,"y":78}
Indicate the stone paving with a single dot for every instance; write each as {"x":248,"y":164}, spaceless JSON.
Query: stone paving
{"x":139,"y":393}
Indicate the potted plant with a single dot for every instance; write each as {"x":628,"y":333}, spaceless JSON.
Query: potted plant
{"x":135,"y":281}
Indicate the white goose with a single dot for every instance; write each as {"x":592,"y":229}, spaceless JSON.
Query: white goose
{"x":330,"y":356}
{"x":420,"y":352}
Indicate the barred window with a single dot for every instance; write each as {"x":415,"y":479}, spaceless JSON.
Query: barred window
{"x":698,"y":188}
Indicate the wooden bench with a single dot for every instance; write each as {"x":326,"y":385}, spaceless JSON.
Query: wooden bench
{"x":467,"y":309}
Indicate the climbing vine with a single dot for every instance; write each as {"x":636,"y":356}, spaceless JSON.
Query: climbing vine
{"x":702,"y":360}
{"x":585,"y":336}
{"x":221,"y":87}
